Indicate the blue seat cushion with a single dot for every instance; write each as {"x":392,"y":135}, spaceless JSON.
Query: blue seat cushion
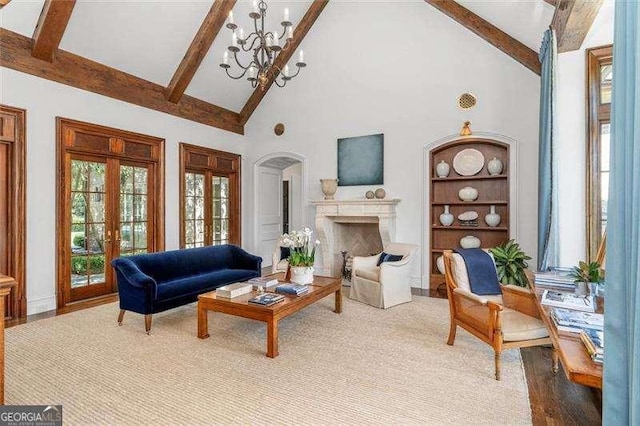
{"x":198,"y":284}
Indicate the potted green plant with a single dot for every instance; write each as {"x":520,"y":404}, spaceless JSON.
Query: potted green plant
{"x":511,"y":263}
{"x":587,"y":276}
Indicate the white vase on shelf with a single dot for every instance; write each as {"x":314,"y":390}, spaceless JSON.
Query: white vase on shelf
{"x":492,"y":218}
{"x":468,"y":193}
{"x":442,"y":169}
{"x":446,"y":218}
{"x":494,"y":166}
{"x":469,"y":242}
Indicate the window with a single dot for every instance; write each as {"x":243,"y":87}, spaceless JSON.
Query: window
{"x":599,"y":79}
{"x":210,"y":194}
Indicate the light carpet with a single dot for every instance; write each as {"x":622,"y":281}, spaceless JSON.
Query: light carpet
{"x":364,"y":366}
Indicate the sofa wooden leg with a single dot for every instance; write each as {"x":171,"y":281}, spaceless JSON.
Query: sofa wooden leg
{"x":497,"y":361}
{"x":452,"y":333}
{"x":120,"y":316}
{"x":147,"y":323}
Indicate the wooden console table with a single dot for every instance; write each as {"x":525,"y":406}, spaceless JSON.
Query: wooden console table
{"x":7,"y":284}
{"x":569,"y":349}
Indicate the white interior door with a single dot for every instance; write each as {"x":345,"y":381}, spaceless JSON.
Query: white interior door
{"x":269,"y":211}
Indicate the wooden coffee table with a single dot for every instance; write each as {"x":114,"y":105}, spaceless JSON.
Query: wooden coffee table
{"x":240,"y":306}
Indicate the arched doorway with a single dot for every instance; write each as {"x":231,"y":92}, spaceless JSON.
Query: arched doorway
{"x":279,"y":182}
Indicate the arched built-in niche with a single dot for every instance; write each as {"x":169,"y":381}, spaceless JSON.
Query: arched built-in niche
{"x":429,"y":218}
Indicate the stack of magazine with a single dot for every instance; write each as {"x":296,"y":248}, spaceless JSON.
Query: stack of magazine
{"x":561,"y":299}
{"x":292,"y":289}
{"x":575,"y":321}
{"x":555,"y":278}
{"x":594,"y":342}
{"x":266,"y":299}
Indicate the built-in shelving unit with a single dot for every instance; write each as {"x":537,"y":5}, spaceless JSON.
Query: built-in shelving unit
{"x":492,"y":190}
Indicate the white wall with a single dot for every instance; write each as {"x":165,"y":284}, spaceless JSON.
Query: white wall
{"x":365,"y":77}
{"x":44,"y":101}
{"x":572,"y":139}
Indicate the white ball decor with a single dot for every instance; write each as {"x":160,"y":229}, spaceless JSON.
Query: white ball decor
{"x":469,"y":242}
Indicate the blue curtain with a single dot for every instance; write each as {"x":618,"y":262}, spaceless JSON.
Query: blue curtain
{"x":547,"y":174}
{"x":621,"y":403}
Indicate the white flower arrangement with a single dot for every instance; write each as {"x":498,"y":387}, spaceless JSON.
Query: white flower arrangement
{"x":303,"y":252}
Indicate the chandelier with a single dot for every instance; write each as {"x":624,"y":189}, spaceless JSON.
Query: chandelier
{"x":264,"y":48}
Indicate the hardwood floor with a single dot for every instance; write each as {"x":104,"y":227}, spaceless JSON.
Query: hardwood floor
{"x":554,"y":399}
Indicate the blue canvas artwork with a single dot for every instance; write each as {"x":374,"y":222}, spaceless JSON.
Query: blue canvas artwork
{"x":361,"y":160}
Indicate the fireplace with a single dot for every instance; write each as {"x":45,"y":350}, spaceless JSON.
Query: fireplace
{"x":361,"y":227}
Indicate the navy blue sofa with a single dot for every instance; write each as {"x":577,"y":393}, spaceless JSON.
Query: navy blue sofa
{"x":154,"y":282}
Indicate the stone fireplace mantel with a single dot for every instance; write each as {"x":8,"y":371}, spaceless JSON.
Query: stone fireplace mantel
{"x":330,"y":212}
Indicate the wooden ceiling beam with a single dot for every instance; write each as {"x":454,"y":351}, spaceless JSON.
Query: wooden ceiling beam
{"x":199,"y":47}
{"x":82,"y":73}
{"x":300,"y":32}
{"x":572,"y":21}
{"x":489,"y":32}
{"x":551,"y":2}
{"x":50,"y":28}
{"x":3,"y":3}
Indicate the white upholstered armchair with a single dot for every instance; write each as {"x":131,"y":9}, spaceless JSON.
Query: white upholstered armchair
{"x":277,"y":264}
{"x":388,"y":284}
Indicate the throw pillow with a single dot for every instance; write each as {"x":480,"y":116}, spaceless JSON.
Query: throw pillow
{"x":386,"y":257}
{"x":285,"y":252}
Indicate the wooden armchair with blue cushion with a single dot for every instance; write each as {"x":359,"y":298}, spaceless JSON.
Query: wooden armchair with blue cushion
{"x":503,"y":316}
{"x":154,"y":282}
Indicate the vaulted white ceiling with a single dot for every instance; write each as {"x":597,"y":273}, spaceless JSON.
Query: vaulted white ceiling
{"x":149,"y":38}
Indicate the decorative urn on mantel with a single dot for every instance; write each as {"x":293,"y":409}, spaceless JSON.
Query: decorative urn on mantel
{"x":329,"y":188}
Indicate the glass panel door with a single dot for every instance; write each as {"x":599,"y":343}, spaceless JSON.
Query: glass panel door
{"x":221,"y":207}
{"x":88,"y":222}
{"x":133,"y":229}
{"x":194,"y":212}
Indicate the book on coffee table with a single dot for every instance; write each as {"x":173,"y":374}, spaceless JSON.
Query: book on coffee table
{"x":267,"y":299}
{"x":234,"y":290}
{"x":263,"y":281}
{"x":292,"y":289}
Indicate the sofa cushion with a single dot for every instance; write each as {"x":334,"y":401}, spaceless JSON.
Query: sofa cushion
{"x":517,"y":326}
{"x":201,"y":283}
{"x":174,"y":264}
{"x":386,"y":257}
{"x":371,"y":273}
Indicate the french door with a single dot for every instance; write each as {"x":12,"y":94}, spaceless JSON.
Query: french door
{"x":210,"y":197}
{"x":207,"y":209}
{"x":109,"y":207}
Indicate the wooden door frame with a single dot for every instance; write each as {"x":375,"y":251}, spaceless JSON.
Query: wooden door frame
{"x":118,"y":140}
{"x":211,"y":167}
{"x":17,"y":211}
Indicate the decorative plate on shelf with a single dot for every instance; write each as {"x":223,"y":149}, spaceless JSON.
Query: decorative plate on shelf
{"x":468,"y":215}
{"x":468,"y":162}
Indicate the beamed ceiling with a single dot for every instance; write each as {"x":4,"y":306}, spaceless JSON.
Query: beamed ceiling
{"x":165,"y":55}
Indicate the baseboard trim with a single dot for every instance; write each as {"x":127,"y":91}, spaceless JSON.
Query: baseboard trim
{"x":41,"y":304}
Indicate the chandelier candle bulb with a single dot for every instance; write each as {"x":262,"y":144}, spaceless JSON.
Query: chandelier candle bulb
{"x":230,"y":21}
{"x":234,"y":40}
{"x":254,"y":6}
{"x":225,"y":58}
{"x":286,"y":15}
{"x":276,"y":41}
{"x":301,"y":59}
{"x":241,"y":33}
{"x":290,"y":32}
{"x":286,"y":71}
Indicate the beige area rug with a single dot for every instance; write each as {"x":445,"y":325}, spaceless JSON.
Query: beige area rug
{"x":365,"y":366}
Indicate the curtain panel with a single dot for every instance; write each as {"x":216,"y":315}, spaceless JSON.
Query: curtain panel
{"x":621,"y":404}
{"x":547,"y":164}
